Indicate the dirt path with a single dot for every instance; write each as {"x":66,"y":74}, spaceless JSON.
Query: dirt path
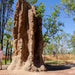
{"x":65,"y":72}
{"x":52,"y":70}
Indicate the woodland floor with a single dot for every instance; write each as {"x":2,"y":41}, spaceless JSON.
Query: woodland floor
{"x":52,"y":69}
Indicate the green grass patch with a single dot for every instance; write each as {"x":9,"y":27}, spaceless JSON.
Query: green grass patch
{"x":3,"y":61}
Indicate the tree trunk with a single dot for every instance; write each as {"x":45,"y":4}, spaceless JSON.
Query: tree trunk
{"x":6,"y":52}
{"x":11,"y":55}
{"x":0,"y":26}
{"x":0,"y":20}
{"x":3,"y":23}
{"x":28,"y":41}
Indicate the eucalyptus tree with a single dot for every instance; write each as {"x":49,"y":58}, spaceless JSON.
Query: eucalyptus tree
{"x":69,"y":7}
{"x":72,"y":40}
{"x":8,"y":39}
{"x":52,"y":25}
{"x":5,"y":13}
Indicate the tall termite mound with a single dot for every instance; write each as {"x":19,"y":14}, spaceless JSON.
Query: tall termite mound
{"x":28,"y":41}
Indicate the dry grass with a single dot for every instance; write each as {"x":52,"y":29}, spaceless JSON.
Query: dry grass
{"x":63,"y":58}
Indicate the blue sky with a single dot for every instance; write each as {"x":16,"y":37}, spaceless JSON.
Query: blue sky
{"x":69,"y":24}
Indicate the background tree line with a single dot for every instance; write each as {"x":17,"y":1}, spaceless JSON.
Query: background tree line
{"x":55,"y":39}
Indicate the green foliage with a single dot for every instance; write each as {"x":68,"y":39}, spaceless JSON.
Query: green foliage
{"x":32,"y":1}
{"x":45,"y":39}
{"x":5,"y":13}
{"x":68,"y":5}
{"x":73,"y":51}
{"x":8,"y":28}
{"x":7,"y":35}
{"x":65,"y":42}
{"x":49,"y":48}
{"x":74,"y":19}
{"x":58,"y":44}
{"x":51,"y":24}
{"x":8,"y":31}
{"x":73,"y":40}
{"x":40,"y":10}
{"x":56,"y":12}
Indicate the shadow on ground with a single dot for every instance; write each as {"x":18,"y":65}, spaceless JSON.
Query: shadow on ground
{"x":51,"y":67}
{"x":56,"y":67}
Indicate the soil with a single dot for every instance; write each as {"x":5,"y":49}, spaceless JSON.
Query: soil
{"x":52,"y":69}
